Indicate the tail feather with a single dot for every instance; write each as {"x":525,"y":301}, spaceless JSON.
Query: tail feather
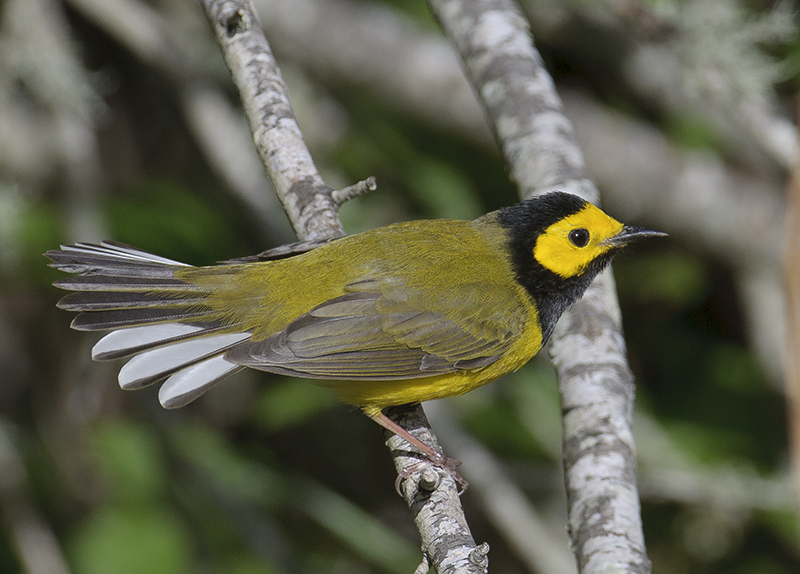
{"x":156,"y":364}
{"x":162,"y":321}
{"x":112,"y":268}
{"x":117,"y":250}
{"x":126,"y":342}
{"x":112,"y":260}
{"x":185,"y":386}
{"x":123,"y":318}
{"x":119,"y":284}
{"x":105,"y":300}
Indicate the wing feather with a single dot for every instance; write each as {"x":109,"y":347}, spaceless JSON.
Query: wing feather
{"x":363,"y":336}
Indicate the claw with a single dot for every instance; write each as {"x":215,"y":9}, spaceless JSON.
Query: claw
{"x":449,"y":465}
{"x":434,"y":458}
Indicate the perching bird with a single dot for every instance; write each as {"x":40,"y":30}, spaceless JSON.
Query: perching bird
{"x":401,"y":314}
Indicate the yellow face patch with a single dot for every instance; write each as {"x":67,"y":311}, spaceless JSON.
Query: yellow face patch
{"x":570,"y":244}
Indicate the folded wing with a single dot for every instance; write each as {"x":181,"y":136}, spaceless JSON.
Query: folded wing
{"x":372,"y":335}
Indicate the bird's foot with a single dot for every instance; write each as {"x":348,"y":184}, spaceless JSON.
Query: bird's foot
{"x":429,"y":481}
{"x":433,"y":458}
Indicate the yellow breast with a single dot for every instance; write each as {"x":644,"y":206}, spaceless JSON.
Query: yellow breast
{"x":375,"y":396}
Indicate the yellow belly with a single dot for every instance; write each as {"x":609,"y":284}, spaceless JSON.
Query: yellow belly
{"x":374,"y":396}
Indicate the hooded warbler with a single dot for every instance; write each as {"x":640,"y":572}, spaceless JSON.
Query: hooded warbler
{"x":401,"y":314}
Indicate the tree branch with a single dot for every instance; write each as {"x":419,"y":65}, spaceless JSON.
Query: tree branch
{"x":219,"y":130}
{"x":791,"y":283}
{"x":305,"y":197}
{"x":587,"y":348}
{"x":312,"y":207}
{"x":432,"y":496}
{"x":539,"y":545}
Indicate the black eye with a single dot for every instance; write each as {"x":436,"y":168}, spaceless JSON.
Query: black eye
{"x":579,"y":237}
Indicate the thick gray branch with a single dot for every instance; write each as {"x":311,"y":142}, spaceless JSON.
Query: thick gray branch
{"x":312,"y":208}
{"x":517,"y":94}
{"x":588,"y":349}
{"x":305,"y":197}
{"x":599,"y":454}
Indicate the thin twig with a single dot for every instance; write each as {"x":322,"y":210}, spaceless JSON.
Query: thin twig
{"x":352,"y":191}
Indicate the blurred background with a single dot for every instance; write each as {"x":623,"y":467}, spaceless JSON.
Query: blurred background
{"x":118,"y":120}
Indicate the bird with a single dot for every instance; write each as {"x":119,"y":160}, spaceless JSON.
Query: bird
{"x":401,"y":314}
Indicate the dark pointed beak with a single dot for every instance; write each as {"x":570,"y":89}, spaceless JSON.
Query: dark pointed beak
{"x":631,"y":234}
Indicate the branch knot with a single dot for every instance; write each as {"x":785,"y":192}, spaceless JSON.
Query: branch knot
{"x":233,"y":21}
{"x":480,"y":555}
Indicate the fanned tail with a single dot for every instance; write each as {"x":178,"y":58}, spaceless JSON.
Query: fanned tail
{"x":163,"y":321}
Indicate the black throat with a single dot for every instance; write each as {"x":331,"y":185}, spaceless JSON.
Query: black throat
{"x":552,"y":293}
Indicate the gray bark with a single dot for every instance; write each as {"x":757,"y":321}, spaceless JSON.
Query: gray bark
{"x":588,"y":349}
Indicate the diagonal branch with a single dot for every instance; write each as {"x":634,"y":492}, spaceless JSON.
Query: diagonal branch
{"x":305,"y":197}
{"x":588,"y":350}
{"x":312,"y":208}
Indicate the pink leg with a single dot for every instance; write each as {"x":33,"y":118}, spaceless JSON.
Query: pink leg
{"x":389,"y":424}
{"x":436,"y":458}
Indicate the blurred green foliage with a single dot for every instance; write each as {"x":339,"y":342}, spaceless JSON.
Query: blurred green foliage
{"x":165,"y":217}
{"x":279,"y":480}
{"x":135,"y":530}
{"x":130,"y":461}
{"x":288,"y":402}
{"x":131,"y":540}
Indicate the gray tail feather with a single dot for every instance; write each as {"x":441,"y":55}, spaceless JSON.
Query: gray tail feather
{"x":152,"y":314}
{"x":118,"y":286}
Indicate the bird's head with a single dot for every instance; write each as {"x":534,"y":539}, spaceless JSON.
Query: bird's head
{"x":581,"y":238}
{"x":559,"y":243}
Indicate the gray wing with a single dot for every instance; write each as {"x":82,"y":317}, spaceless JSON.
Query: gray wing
{"x":368,"y":336}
